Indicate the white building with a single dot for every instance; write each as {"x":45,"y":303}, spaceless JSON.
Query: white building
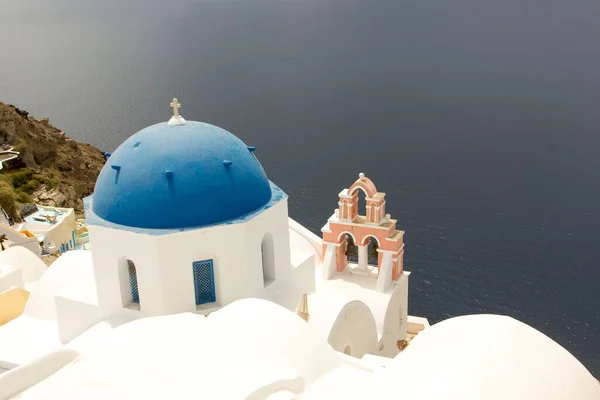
{"x":48,"y":229}
{"x":185,"y":223}
{"x":255,"y":350}
{"x":184,"y":219}
{"x":21,"y":268}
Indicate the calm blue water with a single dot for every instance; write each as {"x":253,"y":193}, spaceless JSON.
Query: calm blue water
{"x":479,"y":119}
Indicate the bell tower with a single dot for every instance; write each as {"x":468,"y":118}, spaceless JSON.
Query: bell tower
{"x":348,"y":233}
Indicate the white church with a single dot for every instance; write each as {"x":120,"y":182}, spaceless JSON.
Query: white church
{"x":199,"y":285}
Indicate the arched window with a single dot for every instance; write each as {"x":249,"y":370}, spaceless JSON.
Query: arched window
{"x":128,"y":282}
{"x":268,"y":259}
{"x":133,"y":284}
{"x":204,"y":282}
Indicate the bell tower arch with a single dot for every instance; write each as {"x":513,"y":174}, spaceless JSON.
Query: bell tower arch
{"x":372,"y":231}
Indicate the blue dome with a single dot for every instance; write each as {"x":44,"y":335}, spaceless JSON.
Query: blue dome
{"x":180,"y":176}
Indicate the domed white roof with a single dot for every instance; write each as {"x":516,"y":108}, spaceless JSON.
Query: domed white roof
{"x":487,"y":357}
{"x":21,"y":258}
{"x":249,"y":347}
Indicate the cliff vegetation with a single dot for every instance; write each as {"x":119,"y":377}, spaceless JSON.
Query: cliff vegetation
{"x":52,"y":169}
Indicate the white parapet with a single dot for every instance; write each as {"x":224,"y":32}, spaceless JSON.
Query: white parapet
{"x":385,"y":274}
{"x":23,"y":377}
{"x":329,"y":262}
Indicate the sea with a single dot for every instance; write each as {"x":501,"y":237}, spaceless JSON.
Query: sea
{"x":479,"y":119}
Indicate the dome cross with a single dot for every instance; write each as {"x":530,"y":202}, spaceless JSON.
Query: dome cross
{"x":176,"y":106}
{"x":176,"y":119}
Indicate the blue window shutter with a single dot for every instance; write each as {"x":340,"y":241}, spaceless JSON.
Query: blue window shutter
{"x":204,"y":282}
{"x":135,"y":294}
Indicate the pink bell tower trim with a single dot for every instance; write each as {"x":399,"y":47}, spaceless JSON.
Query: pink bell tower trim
{"x":375,"y":223}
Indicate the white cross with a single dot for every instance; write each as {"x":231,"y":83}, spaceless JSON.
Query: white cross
{"x":176,"y":119}
{"x":176,"y":106}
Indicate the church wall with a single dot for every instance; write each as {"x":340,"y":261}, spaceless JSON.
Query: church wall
{"x":164,"y":264}
{"x":223,"y":244}
{"x":111,"y":248}
{"x":300,"y":275}
{"x":275,"y":222}
{"x":237,"y":260}
{"x":396,"y":318}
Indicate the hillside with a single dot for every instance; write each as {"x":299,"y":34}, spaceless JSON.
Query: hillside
{"x":53,"y":169}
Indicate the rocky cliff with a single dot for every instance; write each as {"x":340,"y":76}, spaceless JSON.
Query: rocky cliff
{"x":54,"y":169}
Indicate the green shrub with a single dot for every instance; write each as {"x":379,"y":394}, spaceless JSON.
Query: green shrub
{"x":21,"y":177}
{"x":8,"y":201}
{"x":51,"y":183}
{"x":22,"y":197}
{"x":6,"y":179}
{"x":30,"y":186}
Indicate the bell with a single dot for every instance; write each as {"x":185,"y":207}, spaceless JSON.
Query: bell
{"x":373,"y":255}
{"x":351,"y":250}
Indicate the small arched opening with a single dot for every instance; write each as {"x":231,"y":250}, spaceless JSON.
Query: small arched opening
{"x":267,"y":252}
{"x":128,"y":279}
{"x":348,"y":350}
{"x":133,"y":283}
{"x":361,"y":202}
